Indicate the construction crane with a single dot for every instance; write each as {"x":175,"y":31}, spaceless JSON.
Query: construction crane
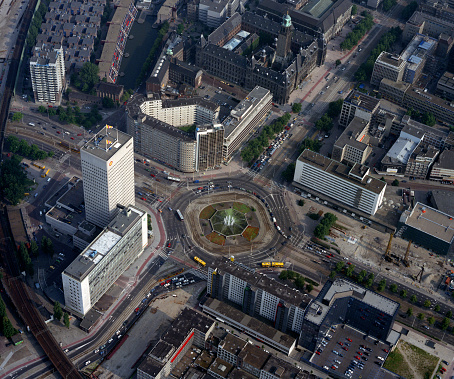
{"x":418,"y":276}
{"x":388,"y":248}
{"x":406,"y":254}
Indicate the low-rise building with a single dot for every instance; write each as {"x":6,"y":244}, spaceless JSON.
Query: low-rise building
{"x":445,"y":86}
{"x":229,"y":349}
{"x":252,"y":359}
{"x":213,"y":13}
{"x":443,"y":169}
{"x":420,"y":161}
{"x":109,"y":90}
{"x":220,"y":369}
{"x":428,"y":227}
{"x":342,"y":301}
{"x":352,"y":186}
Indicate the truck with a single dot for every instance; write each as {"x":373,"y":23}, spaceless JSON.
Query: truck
{"x":196,"y":181}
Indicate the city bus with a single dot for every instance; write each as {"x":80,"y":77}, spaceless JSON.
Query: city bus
{"x":266,"y":264}
{"x":198,"y":260}
{"x":173,"y":179}
{"x":44,"y":173}
{"x":180,"y":216}
{"x":277,"y":264}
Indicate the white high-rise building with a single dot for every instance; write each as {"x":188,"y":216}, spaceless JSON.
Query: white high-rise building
{"x":47,"y":72}
{"x":108,"y":174}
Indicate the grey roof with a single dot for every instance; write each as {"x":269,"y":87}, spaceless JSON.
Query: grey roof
{"x":187,"y":320}
{"x":253,"y":356}
{"x":358,"y":174}
{"x":224,"y":30}
{"x":352,"y":133}
{"x":280,"y":368}
{"x":225,"y":54}
{"x":111,"y":88}
{"x":151,"y":366}
{"x":106,"y":143}
{"x":161,"y":350}
{"x":220,"y":368}
{"x":443,"y":201}
{"x":288,"y":294}
{"x":362,"y":100}
{"x":445,"y":161}
{"x":124,"y":220}
{"x":190,"y":101}
{"x":432,"y":221}
{"x":232,"y":344}
{"x":168,"y":129}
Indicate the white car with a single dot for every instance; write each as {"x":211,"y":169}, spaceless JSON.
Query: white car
{"x":87,"y":363}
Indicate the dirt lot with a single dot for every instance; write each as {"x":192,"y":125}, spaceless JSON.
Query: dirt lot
{"x":411,"y":362}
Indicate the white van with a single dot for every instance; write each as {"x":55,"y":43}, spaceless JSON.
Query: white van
{"x":31,"y":124}
{"x":48,"y":179}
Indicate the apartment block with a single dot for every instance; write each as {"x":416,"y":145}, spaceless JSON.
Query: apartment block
{"x":352,"y":186}
{"x":245,"y":118}
{"x":230,"y":348}
{"x":108,"y":174}
{"x":256,"y":294}
{"x":47,"y":73}
{"x":213,"y":13}
{"x":445,"y":86}
{"x":425,"y":23}
{"x":357,"y":104}
{"x":99,"y":265}
{"x":389,"y":66}
{"x":421,"y":161}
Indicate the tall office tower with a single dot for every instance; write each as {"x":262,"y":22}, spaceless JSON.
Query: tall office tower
{"x":108,"y":174}
{"x":47,"y":72}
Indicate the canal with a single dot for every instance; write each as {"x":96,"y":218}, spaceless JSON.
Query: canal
{"x":138,"y":49}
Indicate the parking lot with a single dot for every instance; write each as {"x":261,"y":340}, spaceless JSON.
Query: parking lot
{"x":348,"y":352}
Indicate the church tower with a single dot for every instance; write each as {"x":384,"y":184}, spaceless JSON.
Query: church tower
{"x":284,"y":39}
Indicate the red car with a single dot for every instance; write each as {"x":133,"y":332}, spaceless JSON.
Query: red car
{"x":340,"y":343}
{"x":136,"y":310}
{"x":317,"y":352}
{"x":72,"y":137}
{"x":153,"y":175}
{"x":360,"y":353}
{"x":328,"y":256}
{"x":168,"y":245}
{"x":200,"y":188}
{"x":386,"y":350}
{"x":79,"y":134}
{"x":358,"y":358}
{"x":143,"y":198}
{"x":345,"y":348}
{"x":333,"y":367}
{"x":158,"y":180}
{"x":349,"y":339}
{"x":349,"y":263}
{"x":443,"y":369}
{"x":58,"y":132}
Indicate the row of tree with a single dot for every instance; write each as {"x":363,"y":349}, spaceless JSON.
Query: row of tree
{"x":13,"y":180}
{"x":154,"y":48}
{"x":25,"y":262}
{"x":311,"y":144}
{"x":23,"y":148}
{"x":426,"y":118}
{"x":325,"y":123}
{"x":325,"y":225}
{"x":58,"y":314}
{"x":255,"y":146}
{"x":385,"y":43}
{"x":6,"y":327}
{"x":73,"y":115}
{"x":358,"y":32}
{"x":35,"y":25}
{"x":298,"y":280}
{"x":388,"y":4}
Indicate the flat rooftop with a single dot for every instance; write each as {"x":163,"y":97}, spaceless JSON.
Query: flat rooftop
{"x":101,"y":246}
{"x":233,"y":344}
{"x":280,"y":368}
{"x":251,"y":323}
{"x":259,"y":280}
{"x":447,"y":80}
{"x":390,"y":59}
{"x":445,"y":160}
{"x":443,"y":200}
{"x":358,"y":174}
{"x":362,"y":100}
{"x":352,"y":135}
{"x":106,"y":143}
{"x":254,"y":356}
{"x":187,"y":320}
{"x":151,"y":366}
{"x":432,"y":221}
{"x":241,"y":111}
{"x":400,"y":151}
{"x":221,"y":367}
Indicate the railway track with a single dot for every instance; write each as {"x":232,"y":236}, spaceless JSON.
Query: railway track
{"x":19,"y":293}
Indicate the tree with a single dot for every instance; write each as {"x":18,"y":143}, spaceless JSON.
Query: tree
{"x":58,"y":312}
{"x":2,"y":308}
{"x":437,"y":308}
{"x":325,"y":123}
{"x":362,"y":276}
{"x":309,"y":287}
{"x":289,"y":172}
{"x":381,"y":285}
{"x":429,"y":119}
{"x":350,"y":270}
{"x":338,"y":62}
{"x":296,"y":107}
{"x":8,"y":328}
{"x":301,"y":202}
{"x":88,"y":76}
{"x":431,"y":320}
{"x":393,"y":288}
{"x":413,"y":299}
{"x":107,"y":102}
{"x":339,"y":266}
{"x":13,"y":180}
{"x":395,"y":183}
{"x":383,"y":179}
{"x":445,"y":323}
{"x":409,"y":312}
{"x":335,"y":107}
{"x":42,"y":109}
{"x":313,"y":145}
{"x":354,"y":9}
{"x":332,"y":274}
{"x":17,"y":116}
{"x":427,"y":303}
{"x":180,"y":29}
{"x":420,"y":316}
{"x":34,"y":249}
{"x":66,"y":319}
{"x":13,"y":143}
{"x":300,"y":282}
{"x":370,"y":280}
{"x":388,"y":4}
{"x":283,"y":275}
{"x":449,"y":314}
{"x":403,"y":293}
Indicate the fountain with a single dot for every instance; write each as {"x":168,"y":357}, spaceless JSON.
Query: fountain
{"x":228,"y":222}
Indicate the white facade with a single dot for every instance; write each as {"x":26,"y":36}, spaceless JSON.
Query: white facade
{"x":98,"y":266}
{"x":47,"y":73}
{"x":108,"y":174}
{"x":322,"y":175}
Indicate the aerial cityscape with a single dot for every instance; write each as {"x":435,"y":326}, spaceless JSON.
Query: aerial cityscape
{"x":228,"y":189}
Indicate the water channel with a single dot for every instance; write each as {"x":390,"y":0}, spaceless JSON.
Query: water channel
{"x":138,"y":49}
